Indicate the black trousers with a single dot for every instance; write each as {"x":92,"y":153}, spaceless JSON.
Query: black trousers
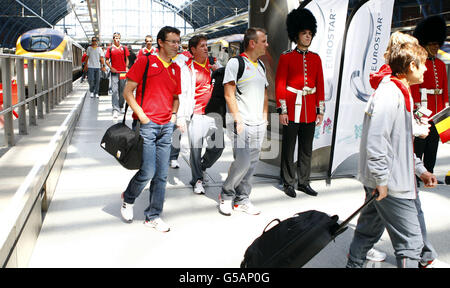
{"x":304,"y":132}
{"x":427,"y":148}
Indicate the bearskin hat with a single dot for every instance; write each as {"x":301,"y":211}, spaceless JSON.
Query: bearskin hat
{"x":431,"y":29}
{"x":300,"y":19}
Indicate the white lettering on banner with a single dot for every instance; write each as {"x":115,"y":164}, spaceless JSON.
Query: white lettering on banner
{"x":376,"y":45}
{"x":367,"y":38}
{"x":331,"y":16}
{"x":329,"y":59}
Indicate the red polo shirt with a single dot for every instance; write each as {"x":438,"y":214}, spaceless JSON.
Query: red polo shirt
{"x":116,"y":57}
{"x":162,"y":83}
{"x":203,"y":87}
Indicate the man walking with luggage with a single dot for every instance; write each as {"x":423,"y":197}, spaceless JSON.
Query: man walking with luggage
{"x":247,"y":102}
{"x":117,"y":61}
{"x":386,"y":153}
{"x":95,"y":61}
{"x":300,"y":100}
{"x":157,"y":118}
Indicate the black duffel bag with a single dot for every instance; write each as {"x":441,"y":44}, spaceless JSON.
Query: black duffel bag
{"x":124,"y":143}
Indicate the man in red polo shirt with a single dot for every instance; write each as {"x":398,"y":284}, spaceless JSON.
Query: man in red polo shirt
{"x":117,"y":61}
{"x":156,"y":118}
{"x":148,"y":47}
{"x":201,"y":127}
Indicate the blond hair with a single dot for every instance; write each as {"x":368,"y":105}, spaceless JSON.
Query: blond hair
{"x":403,"y":49}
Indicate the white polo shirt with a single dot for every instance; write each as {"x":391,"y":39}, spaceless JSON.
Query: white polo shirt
{"x":252,"y":85}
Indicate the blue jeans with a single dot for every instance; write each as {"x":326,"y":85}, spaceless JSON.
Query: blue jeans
{"x":94,"y":80}
{"x":154,"y":167}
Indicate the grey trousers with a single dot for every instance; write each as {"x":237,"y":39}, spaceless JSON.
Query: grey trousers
{"x":400,"y":218}
{"x":246,"y":150}
{"x":428,"y":252}
{"x":117,"y":86}
{"x":201,"y":128}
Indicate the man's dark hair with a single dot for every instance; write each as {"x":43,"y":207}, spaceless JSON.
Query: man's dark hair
{"x":251,"y":34}
{"x":162,"y":34}
{"x":193,"y":42}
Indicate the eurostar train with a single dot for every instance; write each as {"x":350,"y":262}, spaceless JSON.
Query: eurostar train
{"x":223,"y":48}
{"x":52,"y":44}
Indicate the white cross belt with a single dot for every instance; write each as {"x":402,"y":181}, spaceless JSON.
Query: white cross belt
{"x":424,"y":92}
{"x":298,"y":101}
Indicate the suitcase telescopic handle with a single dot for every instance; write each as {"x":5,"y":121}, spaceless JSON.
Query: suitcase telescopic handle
{"x":344,"y":224}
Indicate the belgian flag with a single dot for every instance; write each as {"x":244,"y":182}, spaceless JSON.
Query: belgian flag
{"x":442,"y":122}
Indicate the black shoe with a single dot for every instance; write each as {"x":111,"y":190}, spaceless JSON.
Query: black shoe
{"x":440,"y":182}
{"x":290,"y":191}
{"x":307,"y":189}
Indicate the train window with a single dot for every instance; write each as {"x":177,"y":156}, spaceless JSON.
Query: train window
{"x":40,"y":43}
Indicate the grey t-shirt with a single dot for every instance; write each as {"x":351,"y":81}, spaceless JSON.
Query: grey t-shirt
{"x":94,"y":55}
{"x":252,"y":84}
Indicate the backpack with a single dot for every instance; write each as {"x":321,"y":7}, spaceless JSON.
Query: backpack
{"x":217,"y":103}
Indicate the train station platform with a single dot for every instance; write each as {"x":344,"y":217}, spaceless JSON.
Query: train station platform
{"x":83,"y":227}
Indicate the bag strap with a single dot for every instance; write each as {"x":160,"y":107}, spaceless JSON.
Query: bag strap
{"x":277,"y":220}
{"x":144,"y":81}
{"x":240,"y":71}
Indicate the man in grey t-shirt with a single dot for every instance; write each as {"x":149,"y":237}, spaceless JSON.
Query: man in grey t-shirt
{"x":95,"y":61}
{"x":247,"y":102}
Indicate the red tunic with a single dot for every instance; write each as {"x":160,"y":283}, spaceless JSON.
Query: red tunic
{"x":297,"y":70}
{"x":435,"y":81}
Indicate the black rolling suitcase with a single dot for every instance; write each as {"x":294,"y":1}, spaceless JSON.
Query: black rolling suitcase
{"x":104,"y":86}
{"x":296,"y":240}
{"x":104,"y":83}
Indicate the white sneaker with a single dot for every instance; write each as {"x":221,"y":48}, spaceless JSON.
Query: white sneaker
{"x":198,"y":188}
{"x":115,"y":114}
{"x":157,"y":224}
{"x":92,"y":95}
{"x":127,"y":211}
{"x":375,"y":255}
{"x":96,"y":95}
{"x":434,"y":264}
{"x":248,"y":208}
{"x":122,"y":110}
{"x":224,"y":206}
{"x":174,"y":164}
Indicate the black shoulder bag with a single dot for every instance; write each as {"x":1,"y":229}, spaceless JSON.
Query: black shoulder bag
{"x":122,"y":142}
